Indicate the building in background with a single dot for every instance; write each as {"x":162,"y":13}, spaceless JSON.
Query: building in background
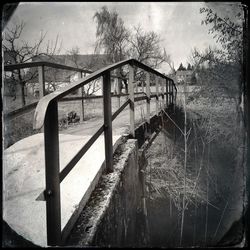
{"x":185,"y":75}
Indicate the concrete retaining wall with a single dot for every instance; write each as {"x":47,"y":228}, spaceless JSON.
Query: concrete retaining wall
{"x":114,"y":214}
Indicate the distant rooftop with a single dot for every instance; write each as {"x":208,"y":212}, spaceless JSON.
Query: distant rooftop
{"x":89,"y":61}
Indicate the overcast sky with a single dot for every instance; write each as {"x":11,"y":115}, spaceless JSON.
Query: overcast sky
{"x":178,"y":23}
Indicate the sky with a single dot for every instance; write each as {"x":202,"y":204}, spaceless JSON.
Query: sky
{"x":178,"y":24}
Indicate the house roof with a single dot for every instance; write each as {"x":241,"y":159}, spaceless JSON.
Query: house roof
{"x":184,"y":72}
{"x":91,"y":62}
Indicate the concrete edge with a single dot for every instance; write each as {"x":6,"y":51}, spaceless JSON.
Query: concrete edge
{"x":71,"y":222}
{"x":96,"y":208}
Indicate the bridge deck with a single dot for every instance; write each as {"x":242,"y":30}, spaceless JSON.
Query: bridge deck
{"x":24,"y":174}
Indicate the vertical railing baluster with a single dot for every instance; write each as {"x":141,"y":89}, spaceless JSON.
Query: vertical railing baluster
{"x":167,"y":84}
{"x":136,"y":86}
{"x":175,"y":96}
{"x":148,"y":97}
{"x":119,"y":92}
{"x":172,"y":92}
{"x":81,"y":94}
{"x":131,"y":98}
{"x":52,"y":192}
{"x":162,"y":92}
{"x":157,"y":94}
{"x":142,"y":86}
{"x":107,"y":121}
{"x":41,"y":77}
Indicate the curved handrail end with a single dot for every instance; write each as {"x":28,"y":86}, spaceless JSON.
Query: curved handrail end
{"x":41,"y":108}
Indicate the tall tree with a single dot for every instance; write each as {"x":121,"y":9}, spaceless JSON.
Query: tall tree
{"x":119,"y":43}
{"x":111,"y":34}
{"x":21,"y":51}
{"x":228,"y":31}
{"x":75,"y":58}
{"x":181,"y":67}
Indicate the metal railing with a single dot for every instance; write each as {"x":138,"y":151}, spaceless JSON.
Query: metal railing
{"x":40,"y":65}
{"x":46,"y":114}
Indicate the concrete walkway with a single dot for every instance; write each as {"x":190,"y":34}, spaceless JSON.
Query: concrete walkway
{"x":24,"y":175}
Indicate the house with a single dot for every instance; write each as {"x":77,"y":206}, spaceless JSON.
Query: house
{"x":57,"y":78}
{"x":185,"y":75}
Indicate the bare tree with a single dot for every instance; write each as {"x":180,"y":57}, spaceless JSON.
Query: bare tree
{"x":170,"y":63}
{"x":75,"y":57}
{"x":145,"y":47}
{"x":22,"y":51}
{"x":112,"y":39}
{"x":112,"y":35}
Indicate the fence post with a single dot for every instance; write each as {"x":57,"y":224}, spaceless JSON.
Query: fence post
{"x":131,"y":98}
{"x":107,"y":121}
{"x":52,"y":192}
{"x":41,"y":77}
{"x":148,"y":96}
{"x":157,"y":94}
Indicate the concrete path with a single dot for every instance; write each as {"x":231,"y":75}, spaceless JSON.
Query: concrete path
{"x":24,"y":174}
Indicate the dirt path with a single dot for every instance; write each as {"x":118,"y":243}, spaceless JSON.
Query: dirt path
{"x":120,"y":125}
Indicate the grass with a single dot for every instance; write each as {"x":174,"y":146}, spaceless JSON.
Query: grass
{"x":215,"y":156}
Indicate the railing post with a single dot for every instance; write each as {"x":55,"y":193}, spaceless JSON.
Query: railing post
{"x":119,"y":92}
{"x":148,"y":97}
{"x":167,"y":84}
{"x":175,"y":96}
{"x":157,"y":94}
{"x":81,"y":90}
{"x":52,"y":192}
{"x":162,"y":92}
{"x":131,"y":98}
{"x":41,"y":78}
{"x":107,"y":121}
{"x":172,"y":92}
{"x":142,"y":86}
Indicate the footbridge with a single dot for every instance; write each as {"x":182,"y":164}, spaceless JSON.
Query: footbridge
{"x":55,"y":179}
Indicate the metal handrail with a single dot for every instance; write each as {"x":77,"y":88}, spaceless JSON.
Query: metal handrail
{"x":46,"y":114}
{"x":11,"y":67}
{"x":45,"y":101}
